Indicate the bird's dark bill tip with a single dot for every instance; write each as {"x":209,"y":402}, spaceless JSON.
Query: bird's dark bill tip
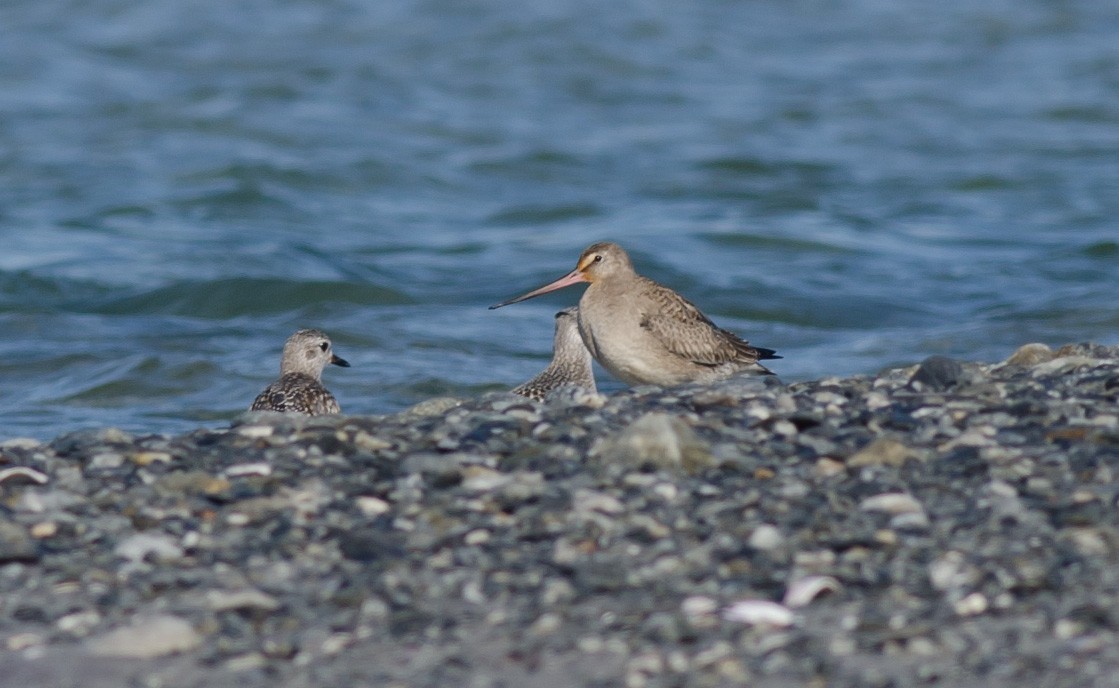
{"x":340,"y":362}
{"x":513,"y":300}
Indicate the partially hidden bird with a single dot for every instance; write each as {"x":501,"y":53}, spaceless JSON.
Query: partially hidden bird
{"x":299,"y":388}
{"x":570,"y":364}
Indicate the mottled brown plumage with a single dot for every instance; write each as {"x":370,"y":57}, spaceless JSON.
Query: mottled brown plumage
{"x":571,"y":362}
{"x":645,"y":333}
{"x":300,"y":388}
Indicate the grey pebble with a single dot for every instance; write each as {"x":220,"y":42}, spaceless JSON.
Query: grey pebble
{"x":937,"y":373}
{"x":16,"y":544}
{"x":141,"y":546}
{"x":659,"y":440}
{"x":146,"y":637}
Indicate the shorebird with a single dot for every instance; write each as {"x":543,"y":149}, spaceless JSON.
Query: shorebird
{"x":645,"y":333}
{"x":300,"y":388}
{"x":571,"y":362}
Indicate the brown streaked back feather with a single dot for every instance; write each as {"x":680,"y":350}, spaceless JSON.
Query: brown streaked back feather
{"x":685,"y":331}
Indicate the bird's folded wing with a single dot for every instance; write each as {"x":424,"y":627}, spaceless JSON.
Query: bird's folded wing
{"x":682,"y":329}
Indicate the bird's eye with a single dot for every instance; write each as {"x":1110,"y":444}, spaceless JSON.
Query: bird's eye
{"x":324,"y":346}
{"x":598,"y":258}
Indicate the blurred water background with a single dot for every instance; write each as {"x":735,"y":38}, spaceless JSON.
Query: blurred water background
{"x":856,"y":183}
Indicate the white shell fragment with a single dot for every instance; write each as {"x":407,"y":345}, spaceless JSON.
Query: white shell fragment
{"x":245,"y":469}
{"x":759,"y":613}
{"x":29,"y":474}
{"x":892,"y":503}
{"x":803,"y":590}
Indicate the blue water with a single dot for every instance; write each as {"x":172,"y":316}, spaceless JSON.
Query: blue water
{"x":856,"y":183}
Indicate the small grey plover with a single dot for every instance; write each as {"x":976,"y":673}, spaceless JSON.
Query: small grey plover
{"x":300,"y":388}
{"x":571,"y":362}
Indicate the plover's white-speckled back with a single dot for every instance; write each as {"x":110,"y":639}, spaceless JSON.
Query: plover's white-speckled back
{"x":571,"y":362}
{"x":300,"y":388}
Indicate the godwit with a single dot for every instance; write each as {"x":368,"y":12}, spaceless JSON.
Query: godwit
{"x":300,"y":388}
{"x":571,"y":362}
{"x":645,"y":333}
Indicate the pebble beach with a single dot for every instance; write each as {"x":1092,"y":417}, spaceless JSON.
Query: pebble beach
{"x":949,"y":523}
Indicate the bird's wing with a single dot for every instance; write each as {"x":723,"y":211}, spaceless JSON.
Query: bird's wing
{"x":273,"y":398}
{"x":683,"y":330}
{"x":326,"y":403}
{"x":296,"y":393}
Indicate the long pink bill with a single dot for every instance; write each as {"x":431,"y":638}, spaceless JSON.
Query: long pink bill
{"x":574,"y":277}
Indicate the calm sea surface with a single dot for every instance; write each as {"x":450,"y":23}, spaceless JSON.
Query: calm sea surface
{"x":856,"y":183}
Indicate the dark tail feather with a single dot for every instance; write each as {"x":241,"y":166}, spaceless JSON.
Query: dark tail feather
{"x":766,"y":354}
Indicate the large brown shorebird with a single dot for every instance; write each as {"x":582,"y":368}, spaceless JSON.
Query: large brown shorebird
{"x":300,"y":388}
{"x":571,"y":362}
{"x":645,"y":333}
